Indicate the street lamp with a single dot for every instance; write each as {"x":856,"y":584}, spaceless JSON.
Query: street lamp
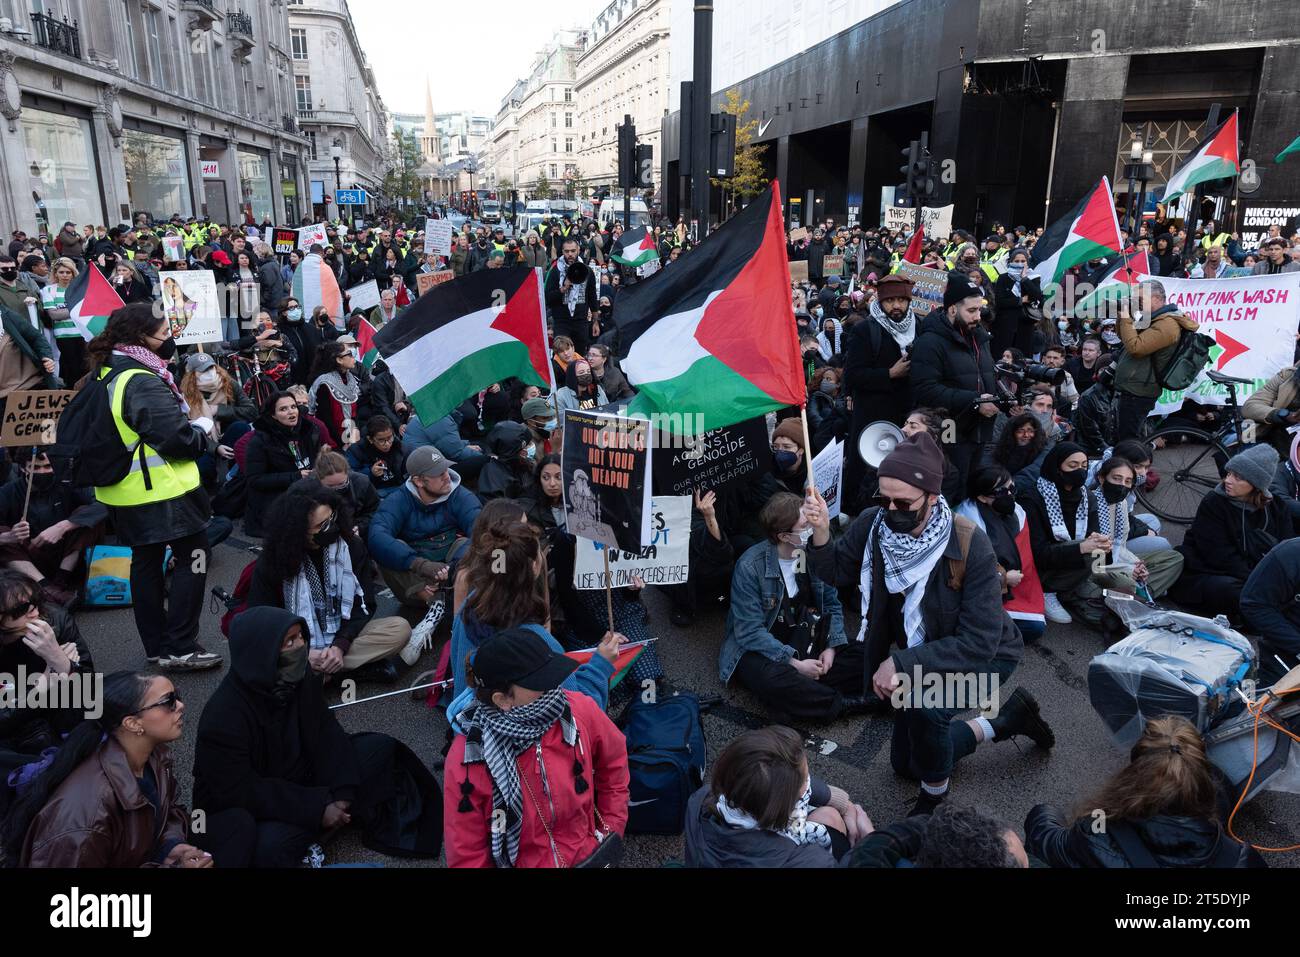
{"x":336,"y":152}
{"x":1139,"y":172}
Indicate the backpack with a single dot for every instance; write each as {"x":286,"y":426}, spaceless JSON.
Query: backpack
{"x":665,"y":757}
{"x":238,"y":602}
{"x":1190,"y":354}
{"x":89,"y":440}
{"x":963,"y":528}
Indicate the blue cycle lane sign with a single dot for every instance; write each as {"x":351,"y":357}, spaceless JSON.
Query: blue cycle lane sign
{"x":350,"y":197}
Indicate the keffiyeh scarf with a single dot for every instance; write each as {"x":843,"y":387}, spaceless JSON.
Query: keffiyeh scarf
{"x":829,"y":346}
{"x":903,"y":332}
{"x":1052,"y":500}
{"x":497,"y":738}
{"x":324,"y":602}
{"x":908,"y":561}
{"x":156,"y":365}
{"x":798,"y":829}
{"x":345,"y":393}
{"x":1112,"y":520}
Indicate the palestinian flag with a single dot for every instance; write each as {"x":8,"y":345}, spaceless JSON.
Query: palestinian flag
{"x":715,"y":334}
{"x":463,"y":335}
{"x":913,"y":254}
{"x":314,"y":284}
{"x":635,"y":247}
{"x":366,"y":343}
{"x":1089,"y":231}
{"x":1115,"y":284}
{"x":1289,"y":151}
{"x":89,"y":300}
{"x":1215,"y":158}
{"x":627,"y":654}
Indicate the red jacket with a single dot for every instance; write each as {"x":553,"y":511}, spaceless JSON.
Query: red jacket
{"x":467,"y":834}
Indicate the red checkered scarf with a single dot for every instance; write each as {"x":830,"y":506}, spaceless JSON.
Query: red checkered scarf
{"x":156,"y":365}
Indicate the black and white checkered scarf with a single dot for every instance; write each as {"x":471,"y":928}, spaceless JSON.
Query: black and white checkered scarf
{"x":908,"y":560}
{"x":1052,"y":500}
{"x":497,"y":738}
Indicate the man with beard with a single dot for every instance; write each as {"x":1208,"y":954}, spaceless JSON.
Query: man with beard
{"x":569,"y":302}
{"x":876,"y":367}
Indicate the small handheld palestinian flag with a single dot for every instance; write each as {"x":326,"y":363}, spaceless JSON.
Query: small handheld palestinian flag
{"x":1089,"y":231}
{"x":466,"y":334}
{"x":366,"y":343}
{"x":635,"y":248}
{"x":89,"y":301}
{"x":1115,"y":285}
{"x":1216,"y":158}
{"x":627,"y":654}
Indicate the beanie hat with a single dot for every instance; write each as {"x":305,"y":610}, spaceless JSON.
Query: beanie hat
{"x":917,"y":461}
{"x":791,"y":429}
{"x":959,"y":288}
{"x":1256,"y":465}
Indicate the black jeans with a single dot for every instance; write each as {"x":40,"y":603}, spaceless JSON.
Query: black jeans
{"x":784,"y":690}
{"x":579,"y":330}
{"x":1130,"y":414}
{"x":169,"y":625}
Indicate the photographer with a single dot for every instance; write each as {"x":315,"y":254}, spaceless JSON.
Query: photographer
{"x":952,"y":368}
{"x":1148,"y":347}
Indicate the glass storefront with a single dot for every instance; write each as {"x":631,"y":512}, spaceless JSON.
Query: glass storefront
{"x":64,"y":174}
{"x":256,"y":197}
{"x":157,"y":174}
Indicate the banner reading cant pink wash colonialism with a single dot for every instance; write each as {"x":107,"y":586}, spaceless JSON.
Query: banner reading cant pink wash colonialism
{"x":1253,"y":321}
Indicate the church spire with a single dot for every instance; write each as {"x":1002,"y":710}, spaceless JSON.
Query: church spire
{"x":431,"y":145}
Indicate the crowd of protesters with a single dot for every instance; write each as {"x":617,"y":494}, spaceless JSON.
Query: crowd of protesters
{"x":960,"y":547}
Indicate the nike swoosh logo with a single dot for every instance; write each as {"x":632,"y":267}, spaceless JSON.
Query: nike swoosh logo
{"x":762,"y":127}
{"x":639,"y":803}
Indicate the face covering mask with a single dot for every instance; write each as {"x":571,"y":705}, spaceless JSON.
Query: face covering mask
{"x":903,"y":522}
{"x":551,"y":425}
{"x":328,"y":536}
{"x":294,"y":315}
{"x":1069,"y":481}
{"x":1113,"y":494}
{"x":1045,"y":419}
{"x":785,"y":461}
{"x":43,"y":481}
{"x":828,"y":387}
{"x":8,"y":275}
{"x":209,"y":379}
{"x":803,"y":536}
{"x":1110,"y":338}
{"x":292,"y":666}
{"x":1004,"y":504}
{"x":584,"y":380}
{"x":1017,"y":270}
{"x":530,"y":453}
{"x":1063,"y":325}
{"x":167,"y":349}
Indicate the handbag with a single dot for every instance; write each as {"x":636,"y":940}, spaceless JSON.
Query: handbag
{"x":609,"y":849}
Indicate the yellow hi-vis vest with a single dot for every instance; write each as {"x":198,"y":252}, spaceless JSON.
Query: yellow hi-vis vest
{"x":152,"y":478}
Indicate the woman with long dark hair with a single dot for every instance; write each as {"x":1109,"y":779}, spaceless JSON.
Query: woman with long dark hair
{"x":1021,"y":448}
{"x":1159,"y":810}
{"x":335,"y":392}
{"x":109,"y":798}
{"x":282,"y":449}
{"x":315,"y":567}
{"x":161,"y":502}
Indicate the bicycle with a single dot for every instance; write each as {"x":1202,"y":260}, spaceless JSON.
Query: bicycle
{"x":257,"y":381}
{"x":1191,"y":461}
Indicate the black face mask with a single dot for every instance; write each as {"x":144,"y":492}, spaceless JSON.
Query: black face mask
{"x":167,"y":349}
{"x":1005,"y":504}
{"x":1114,"y":494}
{"x":8,"y":275}
{"x":903,"y":522}
{"x":327,"y":536}
{"x":291,"y":667}
{"x":43,"y":481}
{"x":1069,"y":481}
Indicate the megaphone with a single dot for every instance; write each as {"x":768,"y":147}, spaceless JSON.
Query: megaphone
{"x":577,"y":273}
{"x":878,"y":440}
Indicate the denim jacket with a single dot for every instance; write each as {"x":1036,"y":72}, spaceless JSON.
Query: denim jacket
{"x":757,"y":589}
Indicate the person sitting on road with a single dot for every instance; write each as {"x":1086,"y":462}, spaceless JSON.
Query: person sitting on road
{"x":1270,"y":606}
{"x":953,"y":836}
{"x":1157,"y":811}
{"x":331,"y":472}
{"x":1150,"y":574}
{"x":282,"y":449}
{"x":509,"y":472}
{"x":762,"y":808}
{"x":379,"y":456}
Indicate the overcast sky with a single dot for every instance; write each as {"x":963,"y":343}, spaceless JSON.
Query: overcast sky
{"x":472,"y":52}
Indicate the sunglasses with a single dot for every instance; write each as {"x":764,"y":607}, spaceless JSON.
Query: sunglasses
{"x":22,"y":608}
{"x":902,"y":505}
{"x":170,"y":701}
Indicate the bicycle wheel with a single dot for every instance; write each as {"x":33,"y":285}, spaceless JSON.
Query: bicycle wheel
{"x":1190,"y":463}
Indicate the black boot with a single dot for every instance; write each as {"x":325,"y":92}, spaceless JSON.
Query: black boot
{"x":926,"y":803}
{"x":855,"y":704}
{"x":1020,"y":715}
{"x":384,"y":671}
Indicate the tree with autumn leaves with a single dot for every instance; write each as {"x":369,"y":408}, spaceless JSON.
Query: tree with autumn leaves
{"x":750,"y":177}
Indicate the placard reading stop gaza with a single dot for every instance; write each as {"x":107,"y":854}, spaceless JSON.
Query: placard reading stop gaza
{"x":32,"y":417}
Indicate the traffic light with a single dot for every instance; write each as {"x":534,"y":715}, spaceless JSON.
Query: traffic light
{"x":911,"y":171}
{"x":722,"y":146}
{"x":645,"y":165}
{"x":627,"y":165}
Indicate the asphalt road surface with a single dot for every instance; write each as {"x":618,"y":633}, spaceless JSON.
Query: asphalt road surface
{"x":1004,"y":779}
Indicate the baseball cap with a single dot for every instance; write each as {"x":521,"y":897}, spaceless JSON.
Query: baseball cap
{"x":536,"y":409}
{"x":347,"y":339}
{"x":199,"y":362}
{"x":427,"y":460}
{"x":520,"y":657}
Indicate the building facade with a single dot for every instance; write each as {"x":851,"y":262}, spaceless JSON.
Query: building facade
{"x":623,"y":70}
{"x":501,"y":150}
{"x":547,"y":117}
{"x":117,"y":110}
{"x":337,"y":104}
{"x":1026,"y":110}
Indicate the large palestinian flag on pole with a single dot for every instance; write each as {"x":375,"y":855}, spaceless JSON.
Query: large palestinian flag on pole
{"x":635,"y":248}
{"x":1215,"y":158}
{"x":89,"y":300}
{"x":714,"y":333}
{"x":1115,"y":284}
{"x":1089,"y":231}
{"x":462,"y":336}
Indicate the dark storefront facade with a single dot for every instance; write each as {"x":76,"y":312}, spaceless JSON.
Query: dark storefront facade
{"x":1027,"y":103}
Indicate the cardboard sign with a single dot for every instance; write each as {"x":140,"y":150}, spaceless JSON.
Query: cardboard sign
{"x":797,"y":234}
{"x":284,"y":241}
{"x":437,"y":237}
{"x":799,"y":270}
{"x":190,"y":304}
{"x":312,"y":234}
{"x":427,"y":280}
{"x":937,"y":221}
{"x":828,"y":471}
{"x":666,"y":560}
{"x":712,"y":461}
{"x":364,"y":296}
{"x":928,"y":286}
{"x":173,"y":248}
{"x":900,"y":218}
{"x":32,"y":417}
{"x":605,"y":465}
{"x":832,"y":265}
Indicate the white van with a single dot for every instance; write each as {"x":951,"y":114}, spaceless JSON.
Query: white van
{"x":611,"y":211}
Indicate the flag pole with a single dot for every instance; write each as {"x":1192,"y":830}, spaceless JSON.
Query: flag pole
{"x":389,"y":694}
{"x":609,"y":594}
{"x":807,"y":447}
{"x":31,"y":469}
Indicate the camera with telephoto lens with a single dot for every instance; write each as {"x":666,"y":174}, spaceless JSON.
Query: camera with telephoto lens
{"x":1030,"y":372}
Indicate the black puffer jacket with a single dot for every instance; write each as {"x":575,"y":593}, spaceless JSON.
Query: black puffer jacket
{"x":1225,"y":539}
{"x":1172,"y":841}
{"x":950,"y":370}
{"x":1094,"y":419}
{"x":274,"y":460}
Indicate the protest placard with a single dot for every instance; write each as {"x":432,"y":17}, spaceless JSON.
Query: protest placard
{"x":437,"y":237}
{"x":312,"y":234}
{"x":799,"y":270}
{"x":665,"y":560}
{"x":190,"y":304}
{"x":900,"y":218}
{"x":284,"y":241}
{"x":427,"y":280}
{"x":605,"y":465}
{"x":832,"y":265}
{"x":712,"y":461}
{"x":32,"y":417}
{"x":797,"y":234}
{"x":364,"y":296}
{"x":828,"y":472}
{"x":173,"y":248}
{"x":927,"y":286}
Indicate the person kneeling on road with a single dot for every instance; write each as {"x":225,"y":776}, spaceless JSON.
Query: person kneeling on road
{"x":916,"y":564}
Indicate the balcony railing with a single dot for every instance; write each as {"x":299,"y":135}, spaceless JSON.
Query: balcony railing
{"x":239,"y":24}
{"x":289,"y":123}
{"x":306,"y":114}
{"x":61,"y":37}
{"x":205,"y":10}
